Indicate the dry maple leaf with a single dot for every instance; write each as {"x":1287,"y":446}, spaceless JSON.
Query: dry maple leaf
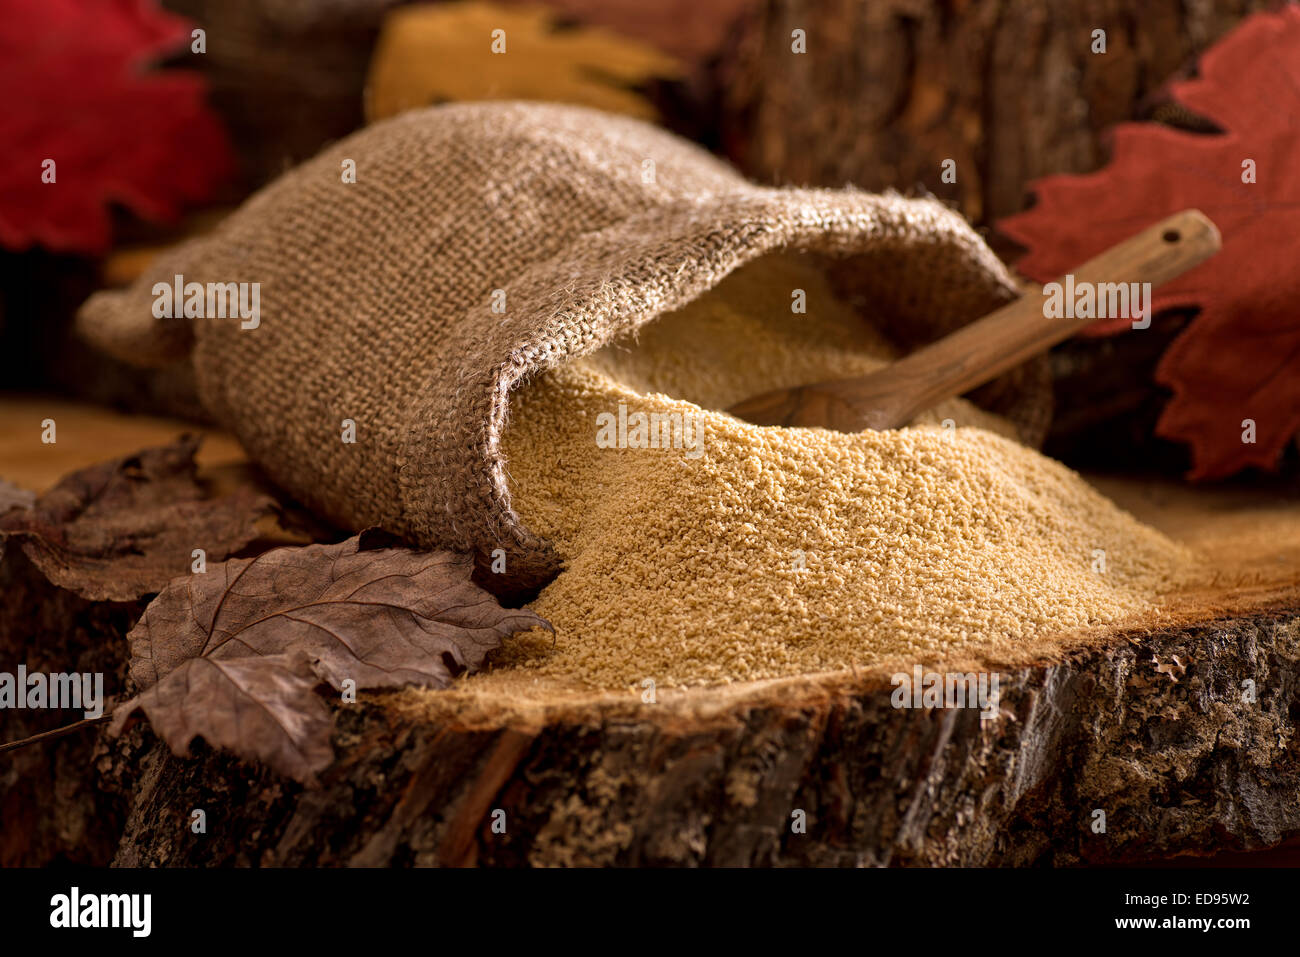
{"x":232,"y":655}
{"x":429,"y":54}
{"x":122,"y":529}
{"x":76,"y":92}
{"x":1240,"y":358}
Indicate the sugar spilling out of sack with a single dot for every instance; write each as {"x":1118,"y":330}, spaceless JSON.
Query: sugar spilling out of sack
{"x":734,"y":552}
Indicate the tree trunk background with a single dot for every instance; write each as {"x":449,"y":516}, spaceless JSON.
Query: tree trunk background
{"x":1009,"y":89}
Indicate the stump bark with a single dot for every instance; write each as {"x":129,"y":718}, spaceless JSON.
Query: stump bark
{"x":1176,"y":767}
{"x":1180,"y":732}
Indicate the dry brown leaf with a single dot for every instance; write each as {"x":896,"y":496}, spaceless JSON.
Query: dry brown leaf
{"x":264,"y":709}
{"x":122,"y":529}
{"x":430,"y":54}
{"x":232,"y":655}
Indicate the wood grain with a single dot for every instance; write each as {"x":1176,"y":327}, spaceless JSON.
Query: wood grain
{"x":86,"y":434}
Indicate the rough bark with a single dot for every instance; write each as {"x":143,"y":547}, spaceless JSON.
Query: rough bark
{"x":1009,"y":89}
{"x":51,"y":806}
{"x":1185,"y":767}
{"x":286,"y":75}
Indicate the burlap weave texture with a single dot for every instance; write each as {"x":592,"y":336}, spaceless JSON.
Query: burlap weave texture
{"x":377,"y":296}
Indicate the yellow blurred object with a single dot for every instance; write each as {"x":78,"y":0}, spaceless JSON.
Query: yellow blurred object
{"x":123,"y":267}
{"x":480,"y":51}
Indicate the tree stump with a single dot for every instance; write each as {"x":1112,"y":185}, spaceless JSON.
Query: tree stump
{"x":707,"y":779}
{"x":1181,"y":732}
{"x":727,"y":779}
{"x":1182,"y":735}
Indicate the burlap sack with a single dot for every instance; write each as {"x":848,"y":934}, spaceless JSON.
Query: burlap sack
{"x":376,"y":297}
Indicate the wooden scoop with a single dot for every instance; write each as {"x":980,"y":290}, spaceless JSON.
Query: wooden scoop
{"x":987,"y":347}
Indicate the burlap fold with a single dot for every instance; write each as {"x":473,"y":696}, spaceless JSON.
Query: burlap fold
{"x":376,"y":297}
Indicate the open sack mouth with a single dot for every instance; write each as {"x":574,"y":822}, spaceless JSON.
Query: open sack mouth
{"x":700,"y":549}
{"x":775,"y":323}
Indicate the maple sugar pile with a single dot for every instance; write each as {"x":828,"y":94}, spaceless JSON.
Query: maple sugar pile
{"x":764,"y":552}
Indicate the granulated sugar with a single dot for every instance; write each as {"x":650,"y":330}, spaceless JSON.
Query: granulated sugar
{"x":742,"y":339}
{"x":771,"y":552}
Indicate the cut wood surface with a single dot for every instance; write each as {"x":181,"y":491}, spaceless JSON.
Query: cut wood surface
{"x":1149,"y":723}
{"x":86,"y":434}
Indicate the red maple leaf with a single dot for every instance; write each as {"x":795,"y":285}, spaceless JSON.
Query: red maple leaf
{"x":1240,"y":358}
{"x":75,"y":89}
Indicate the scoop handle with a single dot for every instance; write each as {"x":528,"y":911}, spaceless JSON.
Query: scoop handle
{"x":988,"y":347}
